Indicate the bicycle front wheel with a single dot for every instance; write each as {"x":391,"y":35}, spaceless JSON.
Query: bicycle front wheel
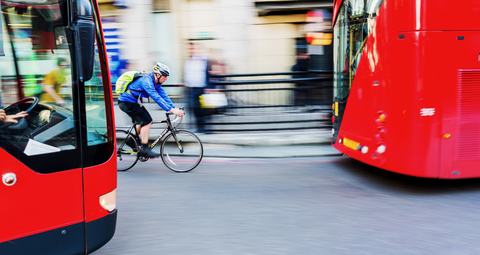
{"x":181,"y":152}
{"x":126,"y":155}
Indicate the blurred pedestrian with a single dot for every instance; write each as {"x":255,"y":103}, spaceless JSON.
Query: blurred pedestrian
{"x":195,"y":80}
{"x":215,"y":66}
{"x":301,"y":92}
{"x":52,"y":83}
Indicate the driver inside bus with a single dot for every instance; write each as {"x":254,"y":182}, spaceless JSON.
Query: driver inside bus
{"x":4,"y":118}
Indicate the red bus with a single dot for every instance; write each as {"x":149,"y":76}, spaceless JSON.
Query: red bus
{"x":407,"y":85}
{"x":58,"y":171}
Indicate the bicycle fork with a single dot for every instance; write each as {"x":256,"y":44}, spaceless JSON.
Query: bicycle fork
{"x":174,"y":134}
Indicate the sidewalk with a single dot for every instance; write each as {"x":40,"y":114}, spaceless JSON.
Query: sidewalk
{"x":274,"y":144}
{"x":266,"y":144}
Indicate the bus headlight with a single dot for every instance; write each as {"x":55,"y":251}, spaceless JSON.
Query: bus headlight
{"x":109,"y":201}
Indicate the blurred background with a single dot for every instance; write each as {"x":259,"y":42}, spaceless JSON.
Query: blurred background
{"x":252,"y":36}
{"x":259,"y":43}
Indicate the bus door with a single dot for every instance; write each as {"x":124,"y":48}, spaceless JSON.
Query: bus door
{"x":460,"y":150}
{"x":41,"y":188}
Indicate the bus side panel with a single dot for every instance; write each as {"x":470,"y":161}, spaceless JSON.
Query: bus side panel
{"x":414,"y":104}
{"x":431,"y":15}
{"x":440,"y":54}
{"x":463,"y":15}
{"x":413,"y":75}
{"x":100,"y":224}
{"x":392,"y":91}
{"x":396,"y":77}
{"x":37,"y":203}
{"x":460,"y":155}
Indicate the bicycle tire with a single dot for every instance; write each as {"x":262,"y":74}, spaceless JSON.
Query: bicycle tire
{"x":126,"y":156}
{"x":181,"y":161}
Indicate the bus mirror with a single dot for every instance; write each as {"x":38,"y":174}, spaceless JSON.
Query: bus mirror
{"x":86,"y":35}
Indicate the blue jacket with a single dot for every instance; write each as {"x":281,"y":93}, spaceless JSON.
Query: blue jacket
{"x":146,"y":87}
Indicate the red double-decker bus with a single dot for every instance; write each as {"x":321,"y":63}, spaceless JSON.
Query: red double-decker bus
{"x":58,"y":170}
{"x":407,"y":85}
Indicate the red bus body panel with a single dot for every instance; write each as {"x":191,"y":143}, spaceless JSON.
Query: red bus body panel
{"x":433,"y":66}
{"x":98,"y":180}
{"x":336,"y":8}
{"x":42,"y":201}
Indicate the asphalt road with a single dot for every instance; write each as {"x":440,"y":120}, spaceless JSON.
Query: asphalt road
{"x":327,"y":205}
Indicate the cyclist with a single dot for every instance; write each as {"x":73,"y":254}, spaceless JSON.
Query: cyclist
{"x":149,"y":85}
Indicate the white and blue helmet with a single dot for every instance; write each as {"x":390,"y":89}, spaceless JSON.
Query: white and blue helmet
{"x":161,"y":69}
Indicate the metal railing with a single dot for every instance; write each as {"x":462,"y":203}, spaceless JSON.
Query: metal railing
{"x":273,"y":101}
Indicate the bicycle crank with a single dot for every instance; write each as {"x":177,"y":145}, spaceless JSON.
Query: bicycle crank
{"x":143,"y":158}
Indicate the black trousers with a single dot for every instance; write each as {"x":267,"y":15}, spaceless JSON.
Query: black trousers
{"x":138,"y":113}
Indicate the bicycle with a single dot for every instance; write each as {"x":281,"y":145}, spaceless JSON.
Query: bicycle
{"x":181,"y":150}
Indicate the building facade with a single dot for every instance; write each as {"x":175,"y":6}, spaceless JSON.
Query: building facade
{"x":249,"y":36}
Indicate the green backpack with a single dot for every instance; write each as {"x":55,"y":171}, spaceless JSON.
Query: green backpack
{"x":125,"y":79}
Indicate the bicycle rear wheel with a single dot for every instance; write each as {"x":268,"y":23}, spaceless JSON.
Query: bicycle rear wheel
{"x":126,"y":155}
{"x":183,"y":156}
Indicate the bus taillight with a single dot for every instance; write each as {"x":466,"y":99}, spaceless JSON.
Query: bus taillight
{"x":382,"y":117}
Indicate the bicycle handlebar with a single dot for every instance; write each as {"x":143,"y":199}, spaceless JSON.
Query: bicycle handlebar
{"x":177,"y":118}
{"x":170,"y":113}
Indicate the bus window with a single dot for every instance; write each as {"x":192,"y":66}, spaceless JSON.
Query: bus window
{"x":354,"y":24}
{"x":37,"y":66}
{"x":340,"y":57}
{"x":95,"y":106}
{"x":97,"y":91}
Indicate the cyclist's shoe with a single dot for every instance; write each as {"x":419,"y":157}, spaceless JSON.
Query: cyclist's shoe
{"x":131,"y":143}
{"x":147,"y":152}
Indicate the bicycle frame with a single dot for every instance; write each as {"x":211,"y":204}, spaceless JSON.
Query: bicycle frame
{"x":169,"y":127}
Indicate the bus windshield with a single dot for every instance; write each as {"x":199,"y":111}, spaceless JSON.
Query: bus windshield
{"x":35,"y":44}
{"x":38,"y":71}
